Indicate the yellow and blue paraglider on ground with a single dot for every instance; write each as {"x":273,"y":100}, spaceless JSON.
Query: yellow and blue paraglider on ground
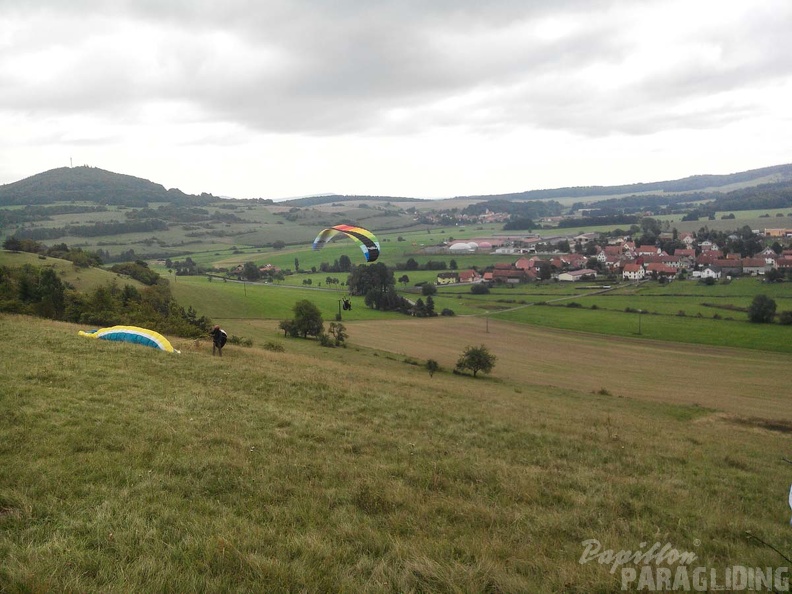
{"x":366,"y":240}
{"x":132,"y":334}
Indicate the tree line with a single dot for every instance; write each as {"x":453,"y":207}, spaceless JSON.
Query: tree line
{"x":95,"y":230}
{"x":78,"y":256}
{"x":38,"y":291}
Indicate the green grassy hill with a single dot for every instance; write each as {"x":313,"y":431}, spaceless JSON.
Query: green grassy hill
{"x":82,"y":279}
{"x":127,"y":469}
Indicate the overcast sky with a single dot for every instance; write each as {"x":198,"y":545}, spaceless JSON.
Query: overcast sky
{"x":423,"y":98}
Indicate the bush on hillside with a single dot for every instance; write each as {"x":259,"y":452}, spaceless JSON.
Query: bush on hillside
{"x":307,"y":321}
{"x":137,"y":270}
{"x":38,"y":291}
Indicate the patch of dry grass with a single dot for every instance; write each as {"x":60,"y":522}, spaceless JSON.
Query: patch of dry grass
{"x":738,"y":381}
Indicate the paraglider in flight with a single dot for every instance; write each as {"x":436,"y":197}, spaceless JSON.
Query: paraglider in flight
{"x":368,"y":243}
{"x":132,"y":334}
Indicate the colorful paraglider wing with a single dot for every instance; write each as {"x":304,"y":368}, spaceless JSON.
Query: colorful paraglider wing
{"x":132,"y":334}
{"x":368,"y":243}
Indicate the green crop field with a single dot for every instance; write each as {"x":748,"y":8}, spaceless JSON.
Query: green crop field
{"x":124,"y":469}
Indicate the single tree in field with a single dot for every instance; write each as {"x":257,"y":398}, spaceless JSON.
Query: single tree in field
{"x":432,"y":366}
{"x":476,"y":359}
{"x":307,"y":319}
{"x":762,"y":310}
{"x":404,"y":279}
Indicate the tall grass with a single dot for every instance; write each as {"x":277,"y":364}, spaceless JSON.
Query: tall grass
{"x":127,"y":469}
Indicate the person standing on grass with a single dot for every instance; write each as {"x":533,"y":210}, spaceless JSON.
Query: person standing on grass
{"x":219,"y":338}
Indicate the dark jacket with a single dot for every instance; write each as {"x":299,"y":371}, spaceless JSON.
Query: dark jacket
{"x":219,"y":337}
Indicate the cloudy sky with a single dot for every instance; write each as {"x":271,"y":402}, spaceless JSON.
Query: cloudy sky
{"x":423,"y":98}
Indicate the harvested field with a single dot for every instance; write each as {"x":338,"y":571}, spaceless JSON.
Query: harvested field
{"x":741,"y":382}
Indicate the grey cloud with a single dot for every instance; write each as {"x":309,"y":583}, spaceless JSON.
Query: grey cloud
{"x":323,"y":68}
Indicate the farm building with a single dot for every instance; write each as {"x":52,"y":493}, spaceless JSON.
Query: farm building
{"x":660,"y":269}
{"x":447,"y":278}
{"x":469,"y":276}
{"x":576,"y":275}
{"x":633,"y":272}
{"x":754,"y":266}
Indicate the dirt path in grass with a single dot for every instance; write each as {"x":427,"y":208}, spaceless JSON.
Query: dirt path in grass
{"x":736,"y":381}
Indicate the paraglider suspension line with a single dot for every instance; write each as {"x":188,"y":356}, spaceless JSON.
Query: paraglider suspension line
{"x":768,"y":545}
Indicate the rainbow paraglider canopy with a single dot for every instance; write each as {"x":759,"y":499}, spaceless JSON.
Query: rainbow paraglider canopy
{"x":365,"y":239}
{"x":132,"y":334}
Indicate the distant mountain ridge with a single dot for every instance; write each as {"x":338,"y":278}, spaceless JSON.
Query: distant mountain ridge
{"x":91,"y":184}
{"x":694,"y":183}
{"x":331,"y":198}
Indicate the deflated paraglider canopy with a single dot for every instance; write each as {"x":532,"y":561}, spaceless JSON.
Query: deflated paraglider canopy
{"x":365,"y":239}
{"x":132,"y":334}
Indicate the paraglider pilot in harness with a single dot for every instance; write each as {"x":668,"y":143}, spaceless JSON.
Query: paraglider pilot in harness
{"x":219,"y":338}
{"x":347,"y":304}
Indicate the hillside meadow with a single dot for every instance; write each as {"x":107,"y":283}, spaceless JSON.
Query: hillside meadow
{"x":82,"y":279}
{"x":123,"y":468}
{"x":684,"y":311}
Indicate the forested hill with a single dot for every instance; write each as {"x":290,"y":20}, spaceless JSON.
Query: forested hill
{"x":90,"y":184}
{"x":309,"y":201}
{"x":695,"y":183}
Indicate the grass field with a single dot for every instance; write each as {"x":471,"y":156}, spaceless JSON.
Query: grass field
{"x":710,"y":317}
{"x":127,"y":469}
{"x":682,"y":311}
{"x":81,"y":279}
{"x":630,"y":367}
